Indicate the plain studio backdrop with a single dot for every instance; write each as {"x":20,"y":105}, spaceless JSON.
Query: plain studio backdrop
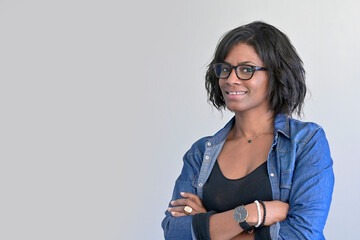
{"x":101,"y":99}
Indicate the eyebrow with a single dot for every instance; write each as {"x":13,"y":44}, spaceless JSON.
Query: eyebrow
{"x":243,"y":63}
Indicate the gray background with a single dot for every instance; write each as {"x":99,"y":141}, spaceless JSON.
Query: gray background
{"x":101,"y":99}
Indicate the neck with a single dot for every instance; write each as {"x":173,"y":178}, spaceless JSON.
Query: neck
{"x":248,"y":125}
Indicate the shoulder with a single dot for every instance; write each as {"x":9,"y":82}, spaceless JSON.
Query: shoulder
{"x":198,"y":147}
{"x":300,"y":131}
{"x":299,"y":135}
{"x":193,"y":158}
{"x":295,"y":130}
{"x":310,"y":142}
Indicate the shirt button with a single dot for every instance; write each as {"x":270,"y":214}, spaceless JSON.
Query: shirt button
{"x":207,"y":157}
{"x":272,"y":174}
{"x":200,"y":184}
{"x":209,"y":144}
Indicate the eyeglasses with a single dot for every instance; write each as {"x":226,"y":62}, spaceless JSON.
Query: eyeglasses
{"x":243,"y":71}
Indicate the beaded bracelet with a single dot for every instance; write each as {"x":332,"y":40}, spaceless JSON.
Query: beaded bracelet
{"x":263,"y":204}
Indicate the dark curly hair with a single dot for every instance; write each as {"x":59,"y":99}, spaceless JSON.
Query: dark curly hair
{"x":286,"y":73}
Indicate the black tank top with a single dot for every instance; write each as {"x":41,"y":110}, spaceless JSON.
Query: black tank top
{"x":222,"y":194}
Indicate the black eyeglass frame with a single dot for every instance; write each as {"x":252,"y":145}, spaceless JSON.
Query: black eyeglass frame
{"x":254,"y":69}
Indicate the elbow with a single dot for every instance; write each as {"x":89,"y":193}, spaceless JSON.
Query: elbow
{"x":294,"y":229}
{"x":165,"y":226}
{"x":177,"y":228}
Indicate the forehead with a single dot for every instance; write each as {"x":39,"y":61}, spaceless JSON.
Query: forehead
{"x":241,"y":53}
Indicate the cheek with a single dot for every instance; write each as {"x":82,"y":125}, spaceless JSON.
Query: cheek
{"x":266,"y":87}
{"x":263,"y":86}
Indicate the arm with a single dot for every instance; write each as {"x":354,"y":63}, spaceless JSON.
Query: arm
{"x":180,"y":227}
{"x":244,"y":236}
{"x":311,"y":191}
{"x":223,"y":225}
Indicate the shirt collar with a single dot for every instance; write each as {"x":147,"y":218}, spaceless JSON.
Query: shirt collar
{"x":281,"y":124}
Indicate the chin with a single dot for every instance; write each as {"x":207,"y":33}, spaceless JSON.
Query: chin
{"x":233,"y":108}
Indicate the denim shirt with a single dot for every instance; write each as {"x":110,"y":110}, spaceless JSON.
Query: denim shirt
{"x":300,"y":172}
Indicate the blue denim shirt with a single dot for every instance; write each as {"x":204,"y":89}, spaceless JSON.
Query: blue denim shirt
{"x":300,"y":173}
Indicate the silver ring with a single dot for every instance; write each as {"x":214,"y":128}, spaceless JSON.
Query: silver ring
{"x":188,"y":210}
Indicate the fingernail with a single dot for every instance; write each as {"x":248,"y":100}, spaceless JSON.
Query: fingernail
{"x":173,"y":213}
{"x":182,"y":193}
{"x":169,"y":209}
{"x":172,"y":202}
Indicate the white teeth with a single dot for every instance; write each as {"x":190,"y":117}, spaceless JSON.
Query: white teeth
{"x":233,"y":93}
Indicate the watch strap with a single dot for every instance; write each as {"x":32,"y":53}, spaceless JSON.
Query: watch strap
{"x":245,"y":226}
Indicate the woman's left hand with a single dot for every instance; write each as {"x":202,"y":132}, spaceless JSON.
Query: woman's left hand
{"x":190,"y":200}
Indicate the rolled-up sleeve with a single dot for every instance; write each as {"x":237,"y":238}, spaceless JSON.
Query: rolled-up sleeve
{"x":311,"y":190}
{"x":181,"y":227}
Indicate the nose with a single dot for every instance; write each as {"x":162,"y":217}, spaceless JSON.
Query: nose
{"x":233,"y":79}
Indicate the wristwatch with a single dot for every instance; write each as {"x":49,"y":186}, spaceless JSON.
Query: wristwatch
{"x":240,"y":216}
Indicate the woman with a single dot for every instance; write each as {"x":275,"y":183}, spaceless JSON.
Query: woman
{"x":264,"y":175}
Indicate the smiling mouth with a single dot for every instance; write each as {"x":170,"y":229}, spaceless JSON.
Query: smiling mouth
{"x":236,"y":93}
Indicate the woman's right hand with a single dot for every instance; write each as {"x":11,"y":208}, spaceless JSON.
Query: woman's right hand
{"x":189,"y":199}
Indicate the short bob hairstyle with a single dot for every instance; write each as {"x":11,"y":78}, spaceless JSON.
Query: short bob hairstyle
{"x":286,"y":73}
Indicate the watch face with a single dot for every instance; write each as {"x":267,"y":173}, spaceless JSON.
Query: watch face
{"x":240,"y":214}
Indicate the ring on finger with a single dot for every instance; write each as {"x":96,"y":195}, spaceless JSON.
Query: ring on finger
{"x":188,"y":210}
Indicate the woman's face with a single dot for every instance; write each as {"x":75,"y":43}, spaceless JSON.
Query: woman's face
{"x":245,"y":95}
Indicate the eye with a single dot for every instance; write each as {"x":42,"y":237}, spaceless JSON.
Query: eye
{"x":225,"y":69}
{"x":245,"y":69}
{"x":222,"y":70}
